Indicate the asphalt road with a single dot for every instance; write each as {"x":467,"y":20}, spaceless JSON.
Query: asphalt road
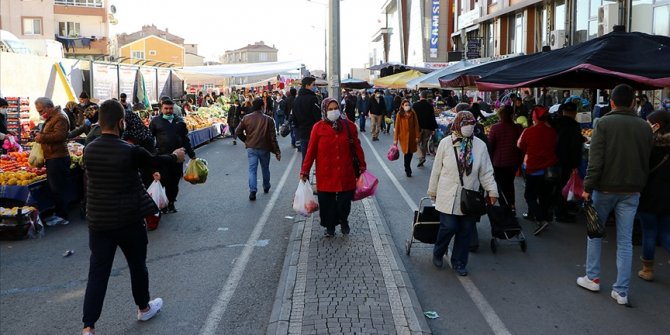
{"x":217,"y":265}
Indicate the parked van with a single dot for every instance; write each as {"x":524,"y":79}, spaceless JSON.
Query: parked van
{"x":10,"y":43}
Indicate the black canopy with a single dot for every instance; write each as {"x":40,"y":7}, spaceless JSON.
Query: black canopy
{"x":638,"y":59}
{"x":353,"y":83}
{"x":467,"y":77}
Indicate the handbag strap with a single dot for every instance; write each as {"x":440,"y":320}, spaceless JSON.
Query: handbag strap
{"x":354,"y":155}
{"x":659,"y":164}
{"x":458,"y":163}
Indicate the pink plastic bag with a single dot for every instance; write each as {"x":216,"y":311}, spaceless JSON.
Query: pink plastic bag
{"x":393,"y":153}
{"x":574,"y":188}
{"x":366,"y":186}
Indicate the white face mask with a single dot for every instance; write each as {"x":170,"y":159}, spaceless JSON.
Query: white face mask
{"x":332,"y":116}
{"x":467,"y":131}
{"x":407,"y":108}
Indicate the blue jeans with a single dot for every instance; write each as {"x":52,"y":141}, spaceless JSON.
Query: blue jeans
{"x":361,"y":121}
{"x":654,"y":226}
{"x":255,"y":156}
{"x":279,"y":120}
{"x":304,"y":142}
{"x":462,"y":227}
{"x":624,"y":207}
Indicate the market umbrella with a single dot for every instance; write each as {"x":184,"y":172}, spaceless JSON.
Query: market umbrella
{"x":140,"y":91}
{"x":431,"y":80}
{"x":638,"y":59}
{"x":354,"y":83}
{"x":398,"y":80}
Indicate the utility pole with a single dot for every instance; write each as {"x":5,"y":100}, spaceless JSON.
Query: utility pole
{"x":334,"y":50}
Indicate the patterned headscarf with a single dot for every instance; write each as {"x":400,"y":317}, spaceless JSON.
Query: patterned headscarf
{"x":465,"y":155}
{"x":324,"y":112}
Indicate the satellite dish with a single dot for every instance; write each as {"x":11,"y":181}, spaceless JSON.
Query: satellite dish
{"x":112,"y":9}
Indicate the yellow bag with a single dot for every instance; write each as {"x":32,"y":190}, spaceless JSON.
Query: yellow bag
{"x":196,"y":171}
{"x":36,"y":158}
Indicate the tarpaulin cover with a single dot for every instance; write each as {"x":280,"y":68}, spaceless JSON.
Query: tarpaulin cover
{"x":195,"y":73}
{"x":431,"y":80}
{"x":638,"y":59}
{"x":467,"y":77}
{"x":398,"y":80}
{"x":354,"y":83}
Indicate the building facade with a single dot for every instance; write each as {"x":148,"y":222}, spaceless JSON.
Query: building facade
{"x":258,"y":52}
{"x":155,"y":49}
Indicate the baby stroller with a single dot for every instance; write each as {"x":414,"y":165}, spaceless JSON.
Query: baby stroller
{"x":505,"y":226}
{"x":425,"y":226}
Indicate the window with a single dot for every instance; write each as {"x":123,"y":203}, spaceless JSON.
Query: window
{"x":69,"y":29}
{"x":661,"y":25}
{"x":137,"y":55}
{"x":263,"y":57}
{"x":489,"y":45}
{"x":516,"y":33}
{"x":152,"y":52}
{"x":559,"y":15}
{"x":32,"y":26}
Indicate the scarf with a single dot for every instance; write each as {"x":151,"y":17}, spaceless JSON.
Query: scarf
{"x":465,"y":158}
{"x":324,"y":113}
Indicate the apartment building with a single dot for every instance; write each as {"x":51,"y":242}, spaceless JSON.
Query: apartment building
{"x":258,"y":52}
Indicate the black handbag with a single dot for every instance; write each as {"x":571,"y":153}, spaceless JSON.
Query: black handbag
{"x":352,"y":148}
{"x":472,"y":202}
{"x":285,"y":129}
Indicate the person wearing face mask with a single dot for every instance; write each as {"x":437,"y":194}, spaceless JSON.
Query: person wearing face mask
{"x":330,"y":148}
{"x":363,"y":106}
{"x":171,"y":133}
{"x":377,"y":112}
{"x":406,"y":134}
{"x":538,"y":144}
{"x":53,"y":139}
{"x":653,"y":210}
{"x":117,"y":204}
{"x":459,"y":155}
{"x":90,"y":128}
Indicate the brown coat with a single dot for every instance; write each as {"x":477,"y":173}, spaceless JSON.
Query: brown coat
{"x":53,"y":136}
{"x":258,"y":131}
{"x":407,"y":131}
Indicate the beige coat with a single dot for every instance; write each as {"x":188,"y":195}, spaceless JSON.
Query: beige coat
{"x":444,"y":183}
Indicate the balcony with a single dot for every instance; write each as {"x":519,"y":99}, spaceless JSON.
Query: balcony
{"x":81,"y":3}
{"x":85,"y":46}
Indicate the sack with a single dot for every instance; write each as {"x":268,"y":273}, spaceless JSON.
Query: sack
{"x":153,"y":221}
{"x":552,"y":174}
{"x":36,"y":158}
{"x":574,"y":188}
{"x":157,"y":193}
{"x":285,"y":129}
{"x":197,"y":171}
{"x":594,"y":228}
{"x":304,"y":201}
{"x":393,"y":153}
{"x":366,"y":186}
{"x":472,"y":202}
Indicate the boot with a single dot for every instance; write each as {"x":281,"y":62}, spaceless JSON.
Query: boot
{"x":647,"y":272}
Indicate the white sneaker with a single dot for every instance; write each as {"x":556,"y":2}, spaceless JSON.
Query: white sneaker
{"x":51,"y":221}
{"x":60,"y":220}
{"x":621,"y":298}
{"x":591,"y":285}
{"x":154,"y":308}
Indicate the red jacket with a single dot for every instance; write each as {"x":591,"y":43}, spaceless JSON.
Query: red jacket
{"x":334,"y":164}
{"x":539,"y":145}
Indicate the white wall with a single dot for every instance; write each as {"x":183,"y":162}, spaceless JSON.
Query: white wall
{"x":11,"y":12}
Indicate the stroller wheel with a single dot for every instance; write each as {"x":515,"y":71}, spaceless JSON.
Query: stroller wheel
{"x":408,"y":247}
{"x":523,"y":246}
{"x":494,"y":245}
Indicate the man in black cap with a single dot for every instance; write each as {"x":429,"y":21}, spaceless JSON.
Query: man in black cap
{"x":85,"y":101}
{"x":127,"y":106}
{"x":306,"y":112}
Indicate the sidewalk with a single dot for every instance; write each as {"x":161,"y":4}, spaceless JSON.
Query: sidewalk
{"x":352,"y":284}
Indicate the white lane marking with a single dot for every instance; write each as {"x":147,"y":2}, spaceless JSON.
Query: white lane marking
{"x":228,"y":289}
{"x":493,"y":320}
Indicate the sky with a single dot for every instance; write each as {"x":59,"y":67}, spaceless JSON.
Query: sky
{"x":295,"y":27}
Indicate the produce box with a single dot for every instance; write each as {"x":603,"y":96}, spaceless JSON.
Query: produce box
{"x":18,"y":223}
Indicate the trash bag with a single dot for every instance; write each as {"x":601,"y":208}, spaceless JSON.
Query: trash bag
{"x":157,"y":193}
{"x":285,"y":129}
{"x":304,"y":201}
{"x":574,"y":188}
{"x":36,"y":158}
{"x":196,"y":171}
{"x":594,"y":228}
{"x":393,"y":153}
{"x":366,"y":186}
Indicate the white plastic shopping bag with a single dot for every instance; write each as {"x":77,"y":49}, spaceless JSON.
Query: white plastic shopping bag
{"x":157,"y":193}
{"x":304,"y":201}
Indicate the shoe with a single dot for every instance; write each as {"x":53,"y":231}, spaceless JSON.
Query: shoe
{"x":234,"y":142}
{"x":542,"y":225}
{"x":375,"y":139}
{"x":164,"y":210}
{"x":88,"y":331}
{"x":51,"y":221}
{"x":408,"y":173}
{"x":528,"y":216}
{"x":461,"y":270}
{"x":171,"y":208}
{"x":591,"y":285}
{"x":154,"y":308}
{"x":647,"y":272}
{"x":438,"y":262}
{"x":421,"y":162}
{"x":362,"y":130}
{"x":252,"y":196}
{"x":266,"y":190}
{"x":346,"y":229}
{"x":328,"y":233}
{"x":621,"y":298}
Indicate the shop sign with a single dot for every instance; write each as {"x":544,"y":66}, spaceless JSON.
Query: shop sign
{"x":105,"y":81}
{"x":474,"y":48}
{"x":435,"y":28}
{"x":468,"y":18}
{"x":436,"y":65}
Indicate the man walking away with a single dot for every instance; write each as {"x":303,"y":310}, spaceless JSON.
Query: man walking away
{"x":280,"y":110}
{"x":377,"y":111}
{"x":117,"y":203}
{"x":171,"y":133}
{"x":260,"y":138}
{"x":306,"y":112}
{"x":53,"y":139}
{"x":290,"y":101}
{"x":617,"y":173}
{"x":569,"y":152}
{"x":426,"y":115}
{"x":363,"y":105}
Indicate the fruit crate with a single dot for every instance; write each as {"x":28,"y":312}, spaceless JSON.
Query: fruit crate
{"x":22,"y":225}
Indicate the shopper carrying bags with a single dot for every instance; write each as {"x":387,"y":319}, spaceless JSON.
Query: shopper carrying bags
{"x":407,"y":133}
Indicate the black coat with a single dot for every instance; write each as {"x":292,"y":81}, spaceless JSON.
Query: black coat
{"x":570,"y":142}
{"x":115,"y":194}
{"x":290,"y":101}
{"x":654,"y":197}
{"x":171,"y":136}
{"x":306,"y":112}
{"x":377,"y":107}
{"x":425,"y":114}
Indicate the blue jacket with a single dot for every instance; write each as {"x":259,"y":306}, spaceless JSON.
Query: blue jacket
{"x":363,"y":105}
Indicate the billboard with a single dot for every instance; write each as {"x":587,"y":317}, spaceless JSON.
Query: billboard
{"x":127,"y":79}
{"x":434,"y":28}
{"x":105,"y":81}
{"x":163,"y":77}
{"x":149,"y":75}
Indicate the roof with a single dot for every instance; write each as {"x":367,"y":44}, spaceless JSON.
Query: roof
{"x":147,"y":37}
{"x":258,"y":46}
{"x":147,"y":31}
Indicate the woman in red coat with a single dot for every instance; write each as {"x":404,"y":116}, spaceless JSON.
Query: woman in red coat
{"x":329,"y":146}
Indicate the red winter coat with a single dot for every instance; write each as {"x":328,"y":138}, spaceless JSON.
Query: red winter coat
{"x":538,"y":143}
{"x":332,"y":152}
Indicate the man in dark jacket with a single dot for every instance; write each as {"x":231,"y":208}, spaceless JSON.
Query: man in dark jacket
{"x":617,"y":173}
{"x":290,"y":101}
{"x":117,"y":204}
{"x":363,"y":106}
{"x":171,"y":133}
{"x":260,"y":138}
{"x":426,"y":116}
{"x":569,"y":152}
{"x":350,"y":106}
{"x":306,"y":112}
{"x":377,"y":111}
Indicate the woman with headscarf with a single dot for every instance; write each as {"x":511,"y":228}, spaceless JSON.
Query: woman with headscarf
{"x":406,"y":133}
{"x":460,"y":155}
{"x":329,"y":145}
